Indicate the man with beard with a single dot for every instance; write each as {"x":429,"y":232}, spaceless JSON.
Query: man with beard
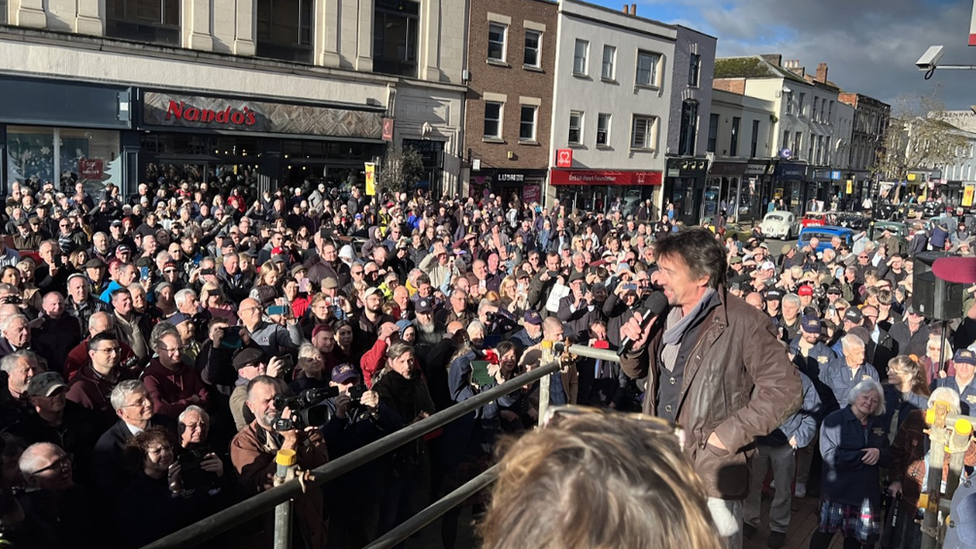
{"x":429,"y":331}
{"x":328,"y":265}
{"x":531,"y":332}
{"x":254,"y":448}
{"x":57,"y":333}
{"x":366,"y":323}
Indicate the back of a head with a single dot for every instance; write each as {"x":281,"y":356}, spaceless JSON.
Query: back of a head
{"x":598,"y":482}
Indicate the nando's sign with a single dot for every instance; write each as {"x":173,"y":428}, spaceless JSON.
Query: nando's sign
{"x":218,"y":113}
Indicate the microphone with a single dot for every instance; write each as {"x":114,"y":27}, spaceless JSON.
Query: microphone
{"x":654,"y":305}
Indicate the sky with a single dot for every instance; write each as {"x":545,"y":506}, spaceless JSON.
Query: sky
{"x":870,"y":46}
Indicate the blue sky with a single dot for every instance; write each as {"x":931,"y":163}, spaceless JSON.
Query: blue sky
{"x":870,"y":46}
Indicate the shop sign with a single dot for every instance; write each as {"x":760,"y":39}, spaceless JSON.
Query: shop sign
{"x":796,"y":172}
{"x":564,"y":158}
{"x":605,"y":177}
{"x":216,"y":113}
{"x":387,"y":129}
{"x":510,"y":178}
{"x":531,"y":193}
{"x":727,"y":168}
{"x":90,"y":169}
{"x":370,"y":168}
{"x":687,"y":167}
{"x":758,"y":169}
{"x":967,"y":196}
{"x":835,"y":175}
{"x":821,"y":175}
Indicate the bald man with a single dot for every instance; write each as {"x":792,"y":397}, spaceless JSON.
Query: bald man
{"x":273,"y":339}
{"x":755,"y":299}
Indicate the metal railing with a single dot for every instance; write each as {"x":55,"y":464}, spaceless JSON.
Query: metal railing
{"x":266,"y":501}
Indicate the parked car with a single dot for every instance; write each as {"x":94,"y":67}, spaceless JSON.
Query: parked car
{"x":741,"y":232}
{"x":851,"y":220}
{"x":877,"y":228}
{"x":780,"y":224}
{"x":824,"y":233}
{"x":814,"y":219}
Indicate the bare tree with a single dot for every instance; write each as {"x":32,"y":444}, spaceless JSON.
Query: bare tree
{"x":401,"y":170}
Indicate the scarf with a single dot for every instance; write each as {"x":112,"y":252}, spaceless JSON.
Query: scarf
{"x":677,"y":326}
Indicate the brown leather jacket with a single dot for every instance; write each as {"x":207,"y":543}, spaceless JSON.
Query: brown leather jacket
{"x":738,"y":383}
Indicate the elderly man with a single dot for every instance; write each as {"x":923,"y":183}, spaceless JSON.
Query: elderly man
{"x":194,"y":427}
{"x":249,"y":363}
{"x":253,"y":454}
{"x":134,"y":408}
{"x":172,"y":384}
{"x":16,"y":334}
{"x":60,"y":512}
{"x":133,"y":328}
{"x":126,"y":274}
{"x":429,"y":331}
{"x":273,"y":339}
{"x":52,"y":274}
{"x":19,"y":367}
{"x":713,"y":365}
{"x":81,"y":304}
{"x":93,"y":384}
{"x":844,"y":372}
{"x":56,"y":332}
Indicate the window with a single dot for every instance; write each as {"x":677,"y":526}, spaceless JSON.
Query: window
{"x":603,"y":129}
{"x":143,"y":20}
{"x":3,"y":12}
{"x":754,"y":145}
{"x":830,"y":112}
{"x":694,"y":70}
{"x":579,"y":57}
{"x":734,"y":141}
{"x":797,"y":143}
{"x":799,"y":104}
{"x":823,"y":144}
{"x":527,"y":123}
{"x":395,"y":37}
{"x":647,"y":68}
{"x":642,"y":136}
{"x":31,"y":154}
{"x":689,"y":128}
{"x":786,"y":140}
{"x":609,"y":56}
{"x":533,"y":42}
{"x":816,"y":105}
{"x":712,"y":133}
{"x":285,"y":30}
{"x":575,"y":127}
{"x":790,"y":104}
{"x":496,"y":42}
{"x":493,"y":120}
{"x":813,"y":140}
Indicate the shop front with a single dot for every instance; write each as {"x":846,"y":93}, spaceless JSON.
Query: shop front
{"x":205,"y":137}
{"x":63,"y":132}
{"x":598,"y":190}
{"x":722,"y":191}
{"x":788,"y":186}
{"x":522,"y":185}
{"x":754,"y":191}
{"x":684,"y":187}
{"x":817,"y":190}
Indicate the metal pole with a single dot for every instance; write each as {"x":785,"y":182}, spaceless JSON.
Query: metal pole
{"x":262,"y":502}
{"x":435,"y":510}
{"x":282,"y":525}
{"x":938,"y":437}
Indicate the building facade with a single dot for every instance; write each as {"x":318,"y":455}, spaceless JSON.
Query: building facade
{"x":690,"y":113}
{"x":510,"y":64}
{"x":611,"y":107}
{"x":306,"y":90}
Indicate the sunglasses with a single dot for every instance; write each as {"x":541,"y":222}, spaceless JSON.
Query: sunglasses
{"x":61,"y":465}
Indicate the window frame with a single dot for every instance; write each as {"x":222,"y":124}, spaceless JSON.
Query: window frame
{"x":606,"y":131}
{"x":713,"y":122}
{"x":654,"y":73}
{"x":754,"y":144}
{"x":613,"y":63}
{"x":694,"y":70}
{"x":504,"y":42}
{"x":167,"y":29}
{"x":535,"y":123}
{"x":578,"y":129}
{"x":650,"y":143}
{"x":389,"y":65}
{"x":500,"y":121}
{"x":734,"y":136}
{"x":581,"y":72}
{"x":538,"y":48}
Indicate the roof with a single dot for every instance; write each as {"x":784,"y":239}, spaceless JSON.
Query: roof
{"x":752,"y":66}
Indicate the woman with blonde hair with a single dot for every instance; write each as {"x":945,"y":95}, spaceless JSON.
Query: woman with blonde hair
{"x":906,"y":389}
{"x":598,"y":481}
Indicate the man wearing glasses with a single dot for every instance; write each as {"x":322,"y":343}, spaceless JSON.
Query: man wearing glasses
{"x":93,"y":384}
{"x":61,"y":513}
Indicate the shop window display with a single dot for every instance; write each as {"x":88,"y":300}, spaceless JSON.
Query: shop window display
{"x":63,"y":156}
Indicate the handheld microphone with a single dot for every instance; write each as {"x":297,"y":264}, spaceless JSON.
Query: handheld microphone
{"x":654,"y":305}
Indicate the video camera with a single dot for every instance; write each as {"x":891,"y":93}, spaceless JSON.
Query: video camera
{"x":190,"y":471}
{"x":306,"y":407}
{"x":500,"y":321}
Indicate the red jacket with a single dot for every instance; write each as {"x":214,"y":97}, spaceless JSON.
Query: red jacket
{"x":373,"y":361}
{"x":92,"y":391}
{"x":171,"y":391}
{"x":78,"y":358}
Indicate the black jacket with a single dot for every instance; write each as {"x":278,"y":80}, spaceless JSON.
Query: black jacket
{"x":107,"y":472}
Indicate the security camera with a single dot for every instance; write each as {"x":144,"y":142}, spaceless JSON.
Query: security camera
{"x":930,"y":59}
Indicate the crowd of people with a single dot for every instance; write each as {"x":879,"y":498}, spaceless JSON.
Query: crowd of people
{"x":158,"y":350}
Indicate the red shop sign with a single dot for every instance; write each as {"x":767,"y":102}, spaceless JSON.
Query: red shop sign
{"x":564,"y":158}
{"x":227,"y":115}
{"x":90,"y":168}
{"x":387,"y":129}
{"x":604,"y":177}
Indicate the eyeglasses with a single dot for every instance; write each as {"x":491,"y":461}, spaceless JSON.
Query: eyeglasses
{"x":61,"y":465}
{"x":109,"y":350}
{"x":139,"y":403}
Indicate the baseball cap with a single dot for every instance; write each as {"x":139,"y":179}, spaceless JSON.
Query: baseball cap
{"x":735,"y":260}
{"x":532,"y":317}
{"x":787,"y":248}
{"x":854,"y":315}
{"x":298,"y":268}
{"x":330,"y":283}
{"x":20,"y":221}
{"x":965,"y":356}
{"x":519,"y":274}
{"x":623,"y":268}
{"x":122,"y":249}
{"x":576,"y":275}
{"x":767,"y":266}
{"x":774,"y":295}
{"x":833,"y":290}
{"x":117,"y":223}
{"x":811,"y":325}
{"x":248,"y":357}
{"x":343,"y":373}
{"x":45,"y":383}
{"x":805,"y":290}
{"x":371,"y":291}
{"x":279,"y":258}
{"x":424,"y":306}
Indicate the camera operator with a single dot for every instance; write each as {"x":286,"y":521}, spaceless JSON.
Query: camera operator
{"x":253,"y":454}
{"x":357,"y":417}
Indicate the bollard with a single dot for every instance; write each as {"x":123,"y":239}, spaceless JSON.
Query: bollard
{"x":287,"y":461}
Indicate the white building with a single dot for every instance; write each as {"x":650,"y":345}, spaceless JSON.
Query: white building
{"x":322,"y":79}
{"x":611,"y":106}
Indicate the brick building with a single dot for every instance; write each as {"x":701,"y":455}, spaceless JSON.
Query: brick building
{"x":510,"y":63}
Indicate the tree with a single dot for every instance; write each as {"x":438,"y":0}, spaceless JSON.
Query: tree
{"x":401,"y":170}
{"x":917,"y":138}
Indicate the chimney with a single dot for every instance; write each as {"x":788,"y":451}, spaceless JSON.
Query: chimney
{"x":774,"y":59}
{"x":794,"y":66}
{"x":633,"y":10}
{"x":822,"y":73}
{"x":626,"y":9}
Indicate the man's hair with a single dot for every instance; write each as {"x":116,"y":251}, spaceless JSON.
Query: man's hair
{"x":699,"y":250}
{"x":96,"y":315}
{"x":9,"y":362}
{"x":850,"y":342}
{"x":30,"y":461}
{"x":182,"y":295}
{"x":5,"y":323}
{"x":120,"y":291}
{"x":307,"y":350}
{"x":651,"y":498}
{"x":261,"y":380}
{"x":123,"y":390}
{"x":159,"y":331}
{"x":193,"y":408}
{"x":107,"y":335}
{"x":791,"y":298}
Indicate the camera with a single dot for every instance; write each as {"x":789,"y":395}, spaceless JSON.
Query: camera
{"x":930,"y":59}
{"x":306,"y":407}
{"x":500,"y":321}
{"x":190,"y":471}
{"x":11,"y":300}
{"x":356,"y":393}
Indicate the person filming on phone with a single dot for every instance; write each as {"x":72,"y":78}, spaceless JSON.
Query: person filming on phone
{"x":273,"y":339}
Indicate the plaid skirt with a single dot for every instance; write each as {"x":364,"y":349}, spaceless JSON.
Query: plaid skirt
{"x":861,"y":522}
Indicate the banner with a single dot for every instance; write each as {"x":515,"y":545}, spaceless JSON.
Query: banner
{"x":967,"y":196}
{"x":370,"y":178}
{"x":850,"y":186}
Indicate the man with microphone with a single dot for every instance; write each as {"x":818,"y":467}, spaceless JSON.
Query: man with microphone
{"x":714,"y":366}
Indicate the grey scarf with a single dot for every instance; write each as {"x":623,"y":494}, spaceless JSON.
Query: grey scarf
{"x":677,"y":326}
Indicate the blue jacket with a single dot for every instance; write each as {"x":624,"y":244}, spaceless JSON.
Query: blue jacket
{"x":967,"y":397}
{"x":846,"y":479}
{"x":811,"y":366}
{"x":841,"y":379}
{"x":803,"y":423}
